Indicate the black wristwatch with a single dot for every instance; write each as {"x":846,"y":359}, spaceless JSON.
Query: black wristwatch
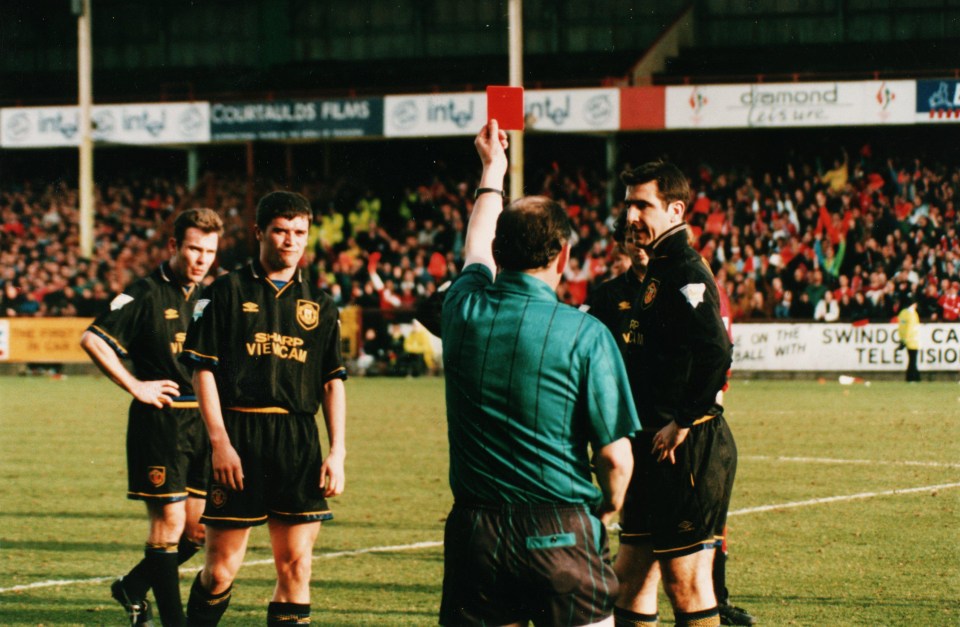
{"x":488,"y":190}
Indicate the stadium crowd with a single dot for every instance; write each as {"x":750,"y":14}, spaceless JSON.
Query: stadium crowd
{"x":854,"y":242}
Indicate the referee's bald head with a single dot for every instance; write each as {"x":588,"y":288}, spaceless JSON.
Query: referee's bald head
{"x":531,"y":231}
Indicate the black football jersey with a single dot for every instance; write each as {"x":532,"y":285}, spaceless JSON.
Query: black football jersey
{"x":268,"y":346}
{"x":679,"y":352}
{"x":147,"y":323}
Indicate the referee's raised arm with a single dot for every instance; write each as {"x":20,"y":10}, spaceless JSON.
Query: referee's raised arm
{"x":491,"y":145}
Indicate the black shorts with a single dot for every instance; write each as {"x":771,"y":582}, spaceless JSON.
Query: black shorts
{"x":549,"y":564}
{"x":280,"y":456}
{"x":681,"y":508}
{"x":168,"y":453}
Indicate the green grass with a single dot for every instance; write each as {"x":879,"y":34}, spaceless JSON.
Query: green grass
{"x":881,"y":560}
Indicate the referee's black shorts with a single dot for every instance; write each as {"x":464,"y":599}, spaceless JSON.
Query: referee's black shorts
{"x":681,"y":508}
{"x":168,"y":453}
{"x":546,"y":563}
{"x":281,"y":460}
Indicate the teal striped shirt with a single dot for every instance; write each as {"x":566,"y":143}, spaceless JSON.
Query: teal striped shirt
{"x":531,"y":382}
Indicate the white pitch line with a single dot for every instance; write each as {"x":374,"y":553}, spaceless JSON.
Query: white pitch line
{"x":433,"y":544}
{"x":846,"y":497}
{"x":372,"y":549}
{"x":830,"y":460}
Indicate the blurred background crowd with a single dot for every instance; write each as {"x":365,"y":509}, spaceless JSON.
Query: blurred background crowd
{"x":852,"y":239}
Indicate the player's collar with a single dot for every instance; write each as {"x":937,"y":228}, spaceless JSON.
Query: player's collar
{"x":168,"y":275}
{"x":632,"y":277}
{"x":165,"y":271}
{"x":258,"y":272}
{"x":670,"y":239}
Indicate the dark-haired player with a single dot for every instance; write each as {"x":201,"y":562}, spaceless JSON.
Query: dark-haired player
{"x":167,"y":449}
{"x":612,"y":301}
{"x":677,"y":358}
{"x":265,"y":349}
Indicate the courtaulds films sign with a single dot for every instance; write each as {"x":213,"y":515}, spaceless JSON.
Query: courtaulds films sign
{"x":296,"y":119}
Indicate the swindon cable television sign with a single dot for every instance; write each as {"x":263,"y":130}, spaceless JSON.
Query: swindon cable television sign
{"x":841,"y":347}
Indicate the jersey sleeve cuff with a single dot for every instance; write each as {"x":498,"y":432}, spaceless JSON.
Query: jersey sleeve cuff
{"x":194,"y":360}
{"x":339,"y":373}
{"x":111,"y":341}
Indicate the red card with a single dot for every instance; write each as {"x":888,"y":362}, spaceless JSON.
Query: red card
{"x":505,"y":105}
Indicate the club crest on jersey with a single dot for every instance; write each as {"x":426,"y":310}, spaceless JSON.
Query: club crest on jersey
{"x":308,"y":314}
{"x":157,"y":475}
{"x":171,"y":314}
{"x":650,"y":294}
{"x":693,"y":292}
{"x":120,"y":301}
{"x":218,"y":496}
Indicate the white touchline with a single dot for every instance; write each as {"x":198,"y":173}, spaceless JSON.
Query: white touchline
{"x":834,"y":499}
{"x":433,"y":544}
{"x":831,"y":460}
{"x":372,"y":549}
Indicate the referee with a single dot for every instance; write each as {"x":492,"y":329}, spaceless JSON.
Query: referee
{"x":167,"y":447}
{"x":265,"y":349}
{"x":531,"y":385}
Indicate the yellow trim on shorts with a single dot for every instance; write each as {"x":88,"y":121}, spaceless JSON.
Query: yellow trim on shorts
{"x":196,"y":492}
{"x":635,"y":535}
{"x":157,"y":496}
{"x":264,"y":517}
{"x":184,"y":404}
{"x":700,"y":421}
{"x":681,"y":548}
{"x":326,"y":511}
{"x":259,"y":410}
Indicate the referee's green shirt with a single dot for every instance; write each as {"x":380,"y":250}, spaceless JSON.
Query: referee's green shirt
{"x":530,"y":383}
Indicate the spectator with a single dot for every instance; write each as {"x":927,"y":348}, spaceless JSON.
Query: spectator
{"x":950,"y":303}
{"x":828,"y":309}
{"x":801,"y":308}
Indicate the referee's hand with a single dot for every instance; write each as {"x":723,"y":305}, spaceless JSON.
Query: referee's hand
{"x":492,"y":144}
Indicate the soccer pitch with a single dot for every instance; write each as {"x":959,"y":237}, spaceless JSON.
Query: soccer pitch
{"x":845,"y":511}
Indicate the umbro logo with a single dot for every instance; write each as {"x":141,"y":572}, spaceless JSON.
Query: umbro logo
{"x":249,"y":307}
{"x":171,"y":314}
{"x":624,"y":305}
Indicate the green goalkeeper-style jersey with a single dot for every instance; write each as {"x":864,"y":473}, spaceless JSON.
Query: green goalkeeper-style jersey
{"x":531,"y":383}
